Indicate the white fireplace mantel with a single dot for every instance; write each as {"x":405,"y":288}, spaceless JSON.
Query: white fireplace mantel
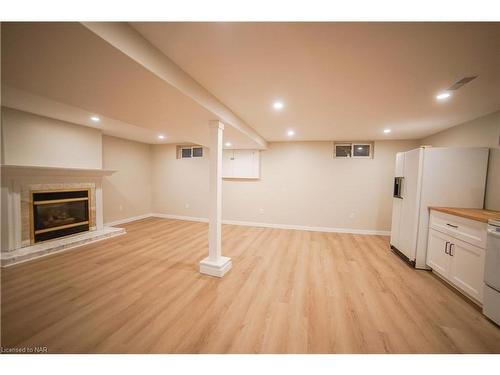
{"x":17,"y":179}
{"x":32,"y":171}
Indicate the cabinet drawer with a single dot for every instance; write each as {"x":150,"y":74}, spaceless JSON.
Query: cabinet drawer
{"x":470,"y":231}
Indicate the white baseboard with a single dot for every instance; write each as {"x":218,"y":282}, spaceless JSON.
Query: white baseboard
{"x":279,"y":226}
{"x":180,"y":217}
{"x":307,"y":228}
{"x":128,"y":220}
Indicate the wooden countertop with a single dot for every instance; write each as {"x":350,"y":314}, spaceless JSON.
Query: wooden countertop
{"x":470,"y":213}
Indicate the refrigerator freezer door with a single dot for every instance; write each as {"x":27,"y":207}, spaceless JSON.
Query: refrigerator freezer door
{"x":400,"y":164}
{"x":397,"y":203}
{"x":396,"y":218}
{"x":410,"y":204}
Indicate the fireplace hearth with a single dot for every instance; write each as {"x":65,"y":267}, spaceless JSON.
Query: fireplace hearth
{"x":59,"y":213}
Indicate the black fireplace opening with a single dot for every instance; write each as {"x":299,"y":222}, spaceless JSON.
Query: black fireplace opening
{"x":59,"y":213}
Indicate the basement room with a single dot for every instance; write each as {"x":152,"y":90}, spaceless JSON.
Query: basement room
{"x":250,"y":187}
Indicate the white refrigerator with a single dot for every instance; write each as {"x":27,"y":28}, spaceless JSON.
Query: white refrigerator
{"x":433,"y":176}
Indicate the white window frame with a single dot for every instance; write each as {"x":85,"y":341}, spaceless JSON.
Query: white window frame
{"x":192,"y":151}
{"x":341,"y":144}
{"x":353,"y":145}
{"x":180,"y":148}
{"x":370,"y":154}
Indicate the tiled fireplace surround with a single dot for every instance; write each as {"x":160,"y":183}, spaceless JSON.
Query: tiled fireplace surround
{"x":26,"y":203}
{"x":18,"y":183}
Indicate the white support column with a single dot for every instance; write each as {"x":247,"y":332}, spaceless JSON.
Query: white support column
{"x":215,"y":264}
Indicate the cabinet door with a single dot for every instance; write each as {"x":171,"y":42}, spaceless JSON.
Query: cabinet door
{"x":467,"y":268}
{"x":243,"y":163}
{"x":227,"y":163}
{"x":255,"y":164}
{"x":437,"y":258}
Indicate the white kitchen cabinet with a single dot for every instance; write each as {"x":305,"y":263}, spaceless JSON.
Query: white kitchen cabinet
{"x":241,"y":164}
{"x":467,"y":268}
{"x":227,"y":163}
{"x":459,"y":262}
{"x":437,"y":253}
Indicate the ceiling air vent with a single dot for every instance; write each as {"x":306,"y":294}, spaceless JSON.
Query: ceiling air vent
{"x":462,"y":82}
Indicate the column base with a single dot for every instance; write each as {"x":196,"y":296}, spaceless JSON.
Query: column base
{"x":216,"y":268}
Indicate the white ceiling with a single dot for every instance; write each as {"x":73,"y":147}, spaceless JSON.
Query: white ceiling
{"x":39,"y":105}
{"x":340,"y":81}
{"x":78,"y":72}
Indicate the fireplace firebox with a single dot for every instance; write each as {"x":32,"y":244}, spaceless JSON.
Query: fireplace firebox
{"x":59,"y":213}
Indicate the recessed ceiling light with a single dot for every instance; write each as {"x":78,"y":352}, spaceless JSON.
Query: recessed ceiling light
{"x":290,"y":133}
{"x":228,"y":144}
{"x":161,"y":136}
{"x":278,"y":105}
{"x":443,"y":95}
{"x":95,"y":118}
{"x":387,"y":131}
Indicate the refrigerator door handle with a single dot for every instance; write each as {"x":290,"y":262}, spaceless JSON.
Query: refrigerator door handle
{"x":446,"y":247}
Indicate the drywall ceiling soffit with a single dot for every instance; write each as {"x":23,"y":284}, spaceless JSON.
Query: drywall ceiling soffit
{"x":67,"y":64}
{"x":125,"y":38}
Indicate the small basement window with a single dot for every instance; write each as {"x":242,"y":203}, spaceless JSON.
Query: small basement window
{"x":343,"y":150}
{"x":197,"y":152}
{"x":187,"y":152}
{"x":353,"y":150}
{"x":361,"y":150}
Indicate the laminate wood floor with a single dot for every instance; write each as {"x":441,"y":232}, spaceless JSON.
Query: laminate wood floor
{"x":288,"y":292}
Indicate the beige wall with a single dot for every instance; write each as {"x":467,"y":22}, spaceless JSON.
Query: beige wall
{"x":29,"y":139}
{"x":302,"y":184}
{"x":126,"y":193}
{"x":179,"y":186}
{"x":481,"y":132}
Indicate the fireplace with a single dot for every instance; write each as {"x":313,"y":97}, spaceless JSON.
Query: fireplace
{"x":59,"y":213}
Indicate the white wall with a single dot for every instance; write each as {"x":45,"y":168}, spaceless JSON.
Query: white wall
{"x":29,"y":139}
{"x":481,"y":132}
{"x":126,"y":193}
{"x":302,"y":184}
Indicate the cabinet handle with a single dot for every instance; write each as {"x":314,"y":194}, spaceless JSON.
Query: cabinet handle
{"x":451,"y":225}
{"x":451,"y":252}
{"x":446,"y":247}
